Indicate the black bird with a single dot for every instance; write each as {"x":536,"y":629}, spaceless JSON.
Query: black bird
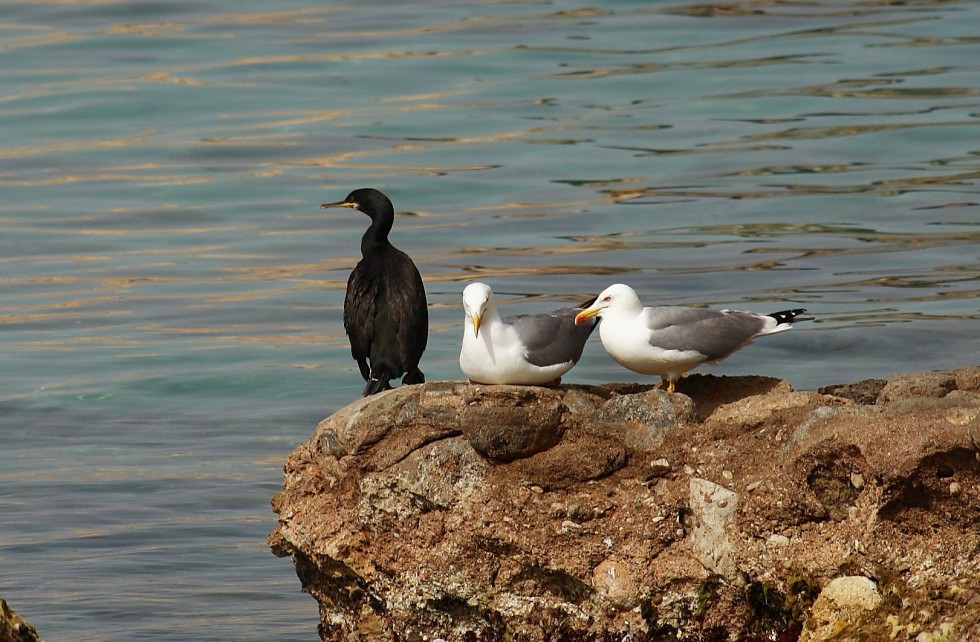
{"x":385,"y":313}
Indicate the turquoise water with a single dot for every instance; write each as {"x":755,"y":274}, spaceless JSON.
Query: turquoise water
{"x":170,"y":293}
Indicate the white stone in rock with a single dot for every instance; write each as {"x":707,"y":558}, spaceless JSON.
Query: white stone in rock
{"x":714,"y":508}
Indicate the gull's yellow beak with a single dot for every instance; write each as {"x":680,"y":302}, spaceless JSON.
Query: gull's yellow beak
{"x":587,"y":314}
{"x":476,"y":325}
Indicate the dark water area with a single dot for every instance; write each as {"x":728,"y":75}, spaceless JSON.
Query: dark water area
{"x":171,"y":293}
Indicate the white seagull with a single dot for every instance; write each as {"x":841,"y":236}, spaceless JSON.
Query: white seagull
{"x":671,"y":340}
{"x":531,"y":349}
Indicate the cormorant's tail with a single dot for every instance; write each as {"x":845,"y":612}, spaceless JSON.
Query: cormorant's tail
{"x":377,"y":383}
{"x":788,"y":316}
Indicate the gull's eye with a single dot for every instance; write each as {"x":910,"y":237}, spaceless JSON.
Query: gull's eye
{"x":607,"y":299}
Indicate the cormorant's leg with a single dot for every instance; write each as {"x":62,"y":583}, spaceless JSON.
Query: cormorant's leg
{"x":362,"y":365}
{"x":413,"y":377}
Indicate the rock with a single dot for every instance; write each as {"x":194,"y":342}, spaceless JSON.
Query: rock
{"x":659,"y":467}
{"x":429,"y":479}
{"x":921,"y":384}
{"x":511,"y":422}
{"x":458,"y":512}
{"x":713,"y":507}
{"x":13,"y":628}
{"x":613,"y":581}
{"x":839,"y":608}
{"x":643,"y":418}
{"x":711,"y":391}
{"x":863,"y":392}
{"x":967,"y":379}
{"x":777,"y":406}
{"x":778,"y":540}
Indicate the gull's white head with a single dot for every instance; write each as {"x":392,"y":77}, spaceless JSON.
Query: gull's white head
{"x":477,"y":299}
{"x":615,"y":298}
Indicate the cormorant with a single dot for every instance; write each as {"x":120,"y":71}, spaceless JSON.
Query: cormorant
{"x":385,"y":313}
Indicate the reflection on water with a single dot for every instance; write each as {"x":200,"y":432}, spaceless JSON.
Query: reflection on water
{"x":171,"y":293}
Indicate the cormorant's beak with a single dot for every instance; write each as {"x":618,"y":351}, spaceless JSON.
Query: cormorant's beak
{"x":476,"y":324}
{"x":587,"y":314}
{"x":350,"y":204}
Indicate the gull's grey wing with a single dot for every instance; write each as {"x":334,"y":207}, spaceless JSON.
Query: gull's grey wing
{"x":712,"y":333}
{"x":552,"y":338}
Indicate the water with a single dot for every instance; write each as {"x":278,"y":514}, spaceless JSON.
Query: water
{"x":171,"y":293}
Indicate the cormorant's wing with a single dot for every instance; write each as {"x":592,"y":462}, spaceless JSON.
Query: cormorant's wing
{"x":359,"y":311}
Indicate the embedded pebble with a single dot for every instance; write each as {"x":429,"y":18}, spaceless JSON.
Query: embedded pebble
{"x":962,"y":416}
{"x":840,"y":604}
{"x":857,"y":480}
{"x":778,"y":540}
{"x":660,"y":466}
{"x":955,"y":489}
{"x":613,"y":581}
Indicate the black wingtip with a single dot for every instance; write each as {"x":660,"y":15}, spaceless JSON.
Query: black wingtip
{"x":788,"y":316}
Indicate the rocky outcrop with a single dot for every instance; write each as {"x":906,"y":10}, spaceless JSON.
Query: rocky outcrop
{"x":738,"y":509}
{"x":13,"y":628}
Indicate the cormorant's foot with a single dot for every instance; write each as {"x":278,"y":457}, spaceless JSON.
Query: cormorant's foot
{"x":414,"y":377}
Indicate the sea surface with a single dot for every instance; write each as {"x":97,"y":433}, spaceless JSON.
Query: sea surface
{"x":171,"y":293}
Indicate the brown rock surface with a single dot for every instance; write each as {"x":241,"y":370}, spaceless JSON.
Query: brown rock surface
{"x":13,"y":628}
{"x":458,"y":512}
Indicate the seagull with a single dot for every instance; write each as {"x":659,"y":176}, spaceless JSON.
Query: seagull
{"x":385,"y":313}
{"x":528,"y":349}
{"x":671,"y":340}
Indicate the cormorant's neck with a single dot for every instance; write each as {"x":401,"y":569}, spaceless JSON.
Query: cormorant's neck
{"x":377,"y":233}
